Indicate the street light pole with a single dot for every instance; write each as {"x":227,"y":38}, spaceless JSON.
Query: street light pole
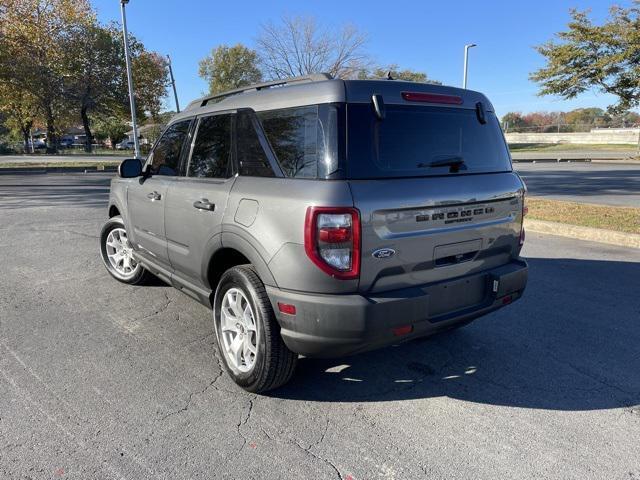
{"x":466,"y":62}
{"x":132,"y":100}
{"x":173,"y":84}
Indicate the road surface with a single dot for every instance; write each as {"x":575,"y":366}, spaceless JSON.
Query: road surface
{"x":53,"y":159}
{"x":574,"y":154}
{"x":103,"y":380}
{"x":603,"y":183}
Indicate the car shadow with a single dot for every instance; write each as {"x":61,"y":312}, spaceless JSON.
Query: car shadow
{"x":571,"y":343}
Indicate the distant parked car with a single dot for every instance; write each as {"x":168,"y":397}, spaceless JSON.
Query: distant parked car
{"x":125,"y":145}
{"x":66,"y":143}
{"x":39,"y":144}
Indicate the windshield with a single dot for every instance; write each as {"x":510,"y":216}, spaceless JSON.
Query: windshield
{"x":415,"y":141}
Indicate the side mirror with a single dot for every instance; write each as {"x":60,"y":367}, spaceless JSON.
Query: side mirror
{"x":130,"y":168}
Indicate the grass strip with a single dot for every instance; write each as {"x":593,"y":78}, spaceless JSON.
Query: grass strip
{"x":620,"y":219}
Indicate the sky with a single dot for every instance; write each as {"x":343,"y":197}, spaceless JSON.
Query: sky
{"x":423,"y":35}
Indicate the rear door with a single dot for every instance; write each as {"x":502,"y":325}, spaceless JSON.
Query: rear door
{"x":436,"y":192}
{"x":196,"y":203}
{"x":146,"y":197}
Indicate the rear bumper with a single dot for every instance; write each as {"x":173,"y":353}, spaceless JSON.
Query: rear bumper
{"x":338,"y":325}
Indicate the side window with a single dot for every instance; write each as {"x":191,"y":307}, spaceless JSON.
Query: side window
{"x":293,"y":135}
{"x":165,"y":159}
{"x":252,"y":159}
{"x":212,"y":148}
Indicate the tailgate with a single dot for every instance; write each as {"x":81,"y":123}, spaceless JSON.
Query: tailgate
{"x":423,"y":230}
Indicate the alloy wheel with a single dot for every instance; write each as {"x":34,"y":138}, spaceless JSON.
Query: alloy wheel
{"x":238,"y":330}
{"x":120,"y":253}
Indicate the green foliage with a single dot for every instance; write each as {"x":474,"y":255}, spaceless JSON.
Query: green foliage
{"x":393,"y":70}
{"x":150,"y":77}
{"x":603,"y":57}
{"x":32,"y":42}
{"x":64,"y":66}
{"x":227,"y":68}
{"x":578,"y":120}
{"x":113,"y":128}
{"x":588,"y":116}
{"x":513,"y":121}
{"x":17,"y":108}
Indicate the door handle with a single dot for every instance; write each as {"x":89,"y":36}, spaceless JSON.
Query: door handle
{"x":154,"y":196}
{"x":204,"y":204}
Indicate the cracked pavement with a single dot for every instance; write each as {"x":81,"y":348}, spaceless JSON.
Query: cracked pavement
{"x":103,"y":380}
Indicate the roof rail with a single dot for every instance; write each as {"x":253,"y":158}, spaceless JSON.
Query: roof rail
{"x":314,"y":77}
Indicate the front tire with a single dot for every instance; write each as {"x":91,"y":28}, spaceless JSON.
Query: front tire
{"x":116,"y":253}
{"x":251,"y":348}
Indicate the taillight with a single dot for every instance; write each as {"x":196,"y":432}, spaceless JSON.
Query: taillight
{"x":332,"y":240}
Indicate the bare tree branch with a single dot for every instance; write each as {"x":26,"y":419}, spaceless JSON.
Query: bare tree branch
{"x":301,"y":46}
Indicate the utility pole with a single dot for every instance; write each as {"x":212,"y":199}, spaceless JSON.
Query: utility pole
{"x":173,"y":84}
{"x":466,"y":62}
{"x":132,"y":100}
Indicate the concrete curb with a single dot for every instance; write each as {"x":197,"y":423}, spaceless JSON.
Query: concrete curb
{"x":610,"y":237}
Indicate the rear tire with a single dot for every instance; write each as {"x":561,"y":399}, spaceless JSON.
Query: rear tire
{"x":248,"y":323}
{"x":115,"y":251}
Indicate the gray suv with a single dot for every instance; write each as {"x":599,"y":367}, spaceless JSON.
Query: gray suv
{"x":324,"y":217}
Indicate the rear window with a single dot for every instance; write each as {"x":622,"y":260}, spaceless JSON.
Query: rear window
{"x":411,"y":139}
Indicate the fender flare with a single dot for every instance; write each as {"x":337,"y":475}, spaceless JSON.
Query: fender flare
{"x":242,"y":245}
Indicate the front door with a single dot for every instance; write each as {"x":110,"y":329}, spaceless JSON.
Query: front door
{"x":196,"y":203}
{"x":146,"y":197}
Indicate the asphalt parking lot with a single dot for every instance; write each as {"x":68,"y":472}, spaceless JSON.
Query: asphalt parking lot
{"x":602,"y":183}
{"x":103,"y":380}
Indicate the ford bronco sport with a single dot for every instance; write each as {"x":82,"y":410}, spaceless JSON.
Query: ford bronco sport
{"x":324,"y":217}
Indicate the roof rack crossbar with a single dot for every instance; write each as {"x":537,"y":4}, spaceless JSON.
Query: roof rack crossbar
{"x":315,"y":77}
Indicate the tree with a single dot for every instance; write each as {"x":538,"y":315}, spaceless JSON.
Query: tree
{"x":514,"y":121}
{"x":300,"y":46}
{"x":32,"y":42}
{"x":113,"y":128}
{"x":226,"y":68}
{"x":586,"y":117}
{"x":56,"y":52}
{"x":393,"y":70}
{"x":630,"y":119}
{"x":93,"y":83}
{"x":150,"y":77}
{"x":605,"y":57}
{"x":97,"y":79}
{"x":18,"y":108}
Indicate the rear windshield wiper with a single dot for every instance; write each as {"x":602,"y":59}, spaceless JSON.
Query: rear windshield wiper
{"x":456,"y":163}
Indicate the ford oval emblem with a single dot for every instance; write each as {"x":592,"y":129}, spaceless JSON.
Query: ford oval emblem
{"x":383,"y":253}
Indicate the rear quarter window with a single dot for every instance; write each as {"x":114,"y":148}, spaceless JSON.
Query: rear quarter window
{"x":293,"y":135}
{"x":304,"y":139}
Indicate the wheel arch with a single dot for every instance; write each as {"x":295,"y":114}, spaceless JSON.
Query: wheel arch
{"x":114,"y":210}
{"x":234,"y":250}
